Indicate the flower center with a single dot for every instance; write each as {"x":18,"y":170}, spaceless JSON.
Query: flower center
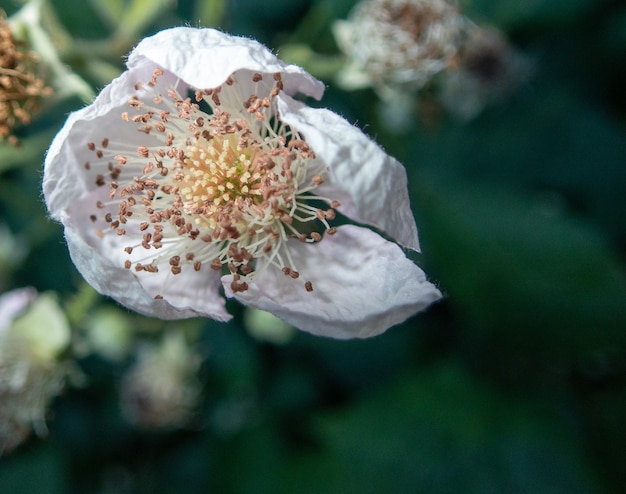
{"x":227,"y":187}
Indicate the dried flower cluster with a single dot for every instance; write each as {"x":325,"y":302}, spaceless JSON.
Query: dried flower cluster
{"x":21,"y":88}
{"x":399,"y":44}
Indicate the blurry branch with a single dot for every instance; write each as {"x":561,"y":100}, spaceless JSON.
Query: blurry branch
{"x":29,"y":151}
{"x":209,"y":13}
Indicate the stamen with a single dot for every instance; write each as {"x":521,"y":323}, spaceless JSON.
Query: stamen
{"x":227,"y":188}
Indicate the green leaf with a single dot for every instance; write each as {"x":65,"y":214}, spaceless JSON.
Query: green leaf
{"x":443,"y":432}
{"x":519,"y":271}
{"x":35,"y":468}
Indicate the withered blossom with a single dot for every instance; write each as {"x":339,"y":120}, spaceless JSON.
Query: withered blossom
{"x":398,"y":45}
{"x":21,"y":87}
{"x":161,"y":389}
{"x":197,"y":169}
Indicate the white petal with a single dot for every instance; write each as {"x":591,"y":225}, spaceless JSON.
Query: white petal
{"x":371,"y":185}
{"x":101,"y":262}
{"x":64,"y":178}
{"x":362,"y":285}
{"x":205,"y":58}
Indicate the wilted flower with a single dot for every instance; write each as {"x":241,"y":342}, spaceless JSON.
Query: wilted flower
{"x":161,"y":389}
{"x":489,"y":70}
{"x":33,"y":334}
{"x":21,"y":88}
{"x":398,"y":45}
{"x":196,"y":169}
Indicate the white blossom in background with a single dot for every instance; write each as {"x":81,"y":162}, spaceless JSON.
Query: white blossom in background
{"x":33,"y":334}
{"x":489,"y":70}
{"x":398,"y":45}
{"x":161,"y":390}
{"x":197,"y":169}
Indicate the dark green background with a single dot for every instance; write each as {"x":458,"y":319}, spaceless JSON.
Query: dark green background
{"x":515,"y":383}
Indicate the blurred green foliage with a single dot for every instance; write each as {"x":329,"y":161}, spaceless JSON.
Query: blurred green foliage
{"x":515,"y":383}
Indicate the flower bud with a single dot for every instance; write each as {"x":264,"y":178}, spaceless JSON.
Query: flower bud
{"x":161,"y":389}
{"x":33,"y":335}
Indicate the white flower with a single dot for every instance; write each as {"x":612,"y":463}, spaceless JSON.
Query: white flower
{"x":398,"y":44}
{"x":197,"y":160}
{"x":33,"y":334}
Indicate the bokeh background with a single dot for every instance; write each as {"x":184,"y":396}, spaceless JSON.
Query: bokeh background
{"x":514,"y":383}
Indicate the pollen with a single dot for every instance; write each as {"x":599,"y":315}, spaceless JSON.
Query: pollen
{"x":222,"y":183}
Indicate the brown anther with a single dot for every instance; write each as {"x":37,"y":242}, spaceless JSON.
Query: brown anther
{"x":197,"y":265}
{"x":127,"y":264}
{"x":176,"y":269}
{"x":158,"y":297}
{"x":105,"y":142}
{"x":316,"y":237}
{"x":91,"y":146}
{"x":87,"y":165}
{"x":99,"y":153}
{"x":308,"y":286}
{"x":317,"y":180}
{"x":286,"y":271}
{"x":256,"y":77}
{"x":330,"y":214}
{"x":335,"y":204}
{"x":143,"y":151}
{"x":216,"y":264}
{"x":128,"y":250}
{"x":121,"y":231}
{"x":331,"y":231}
{"x":294,"y":274}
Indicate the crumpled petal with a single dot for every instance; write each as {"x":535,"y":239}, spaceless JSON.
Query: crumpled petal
{"x":362,"y":285}
{"x":205,"y":58}
{"x":371,"y":185}
{"x":64,"y":179}
{"x":101,"y":262}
